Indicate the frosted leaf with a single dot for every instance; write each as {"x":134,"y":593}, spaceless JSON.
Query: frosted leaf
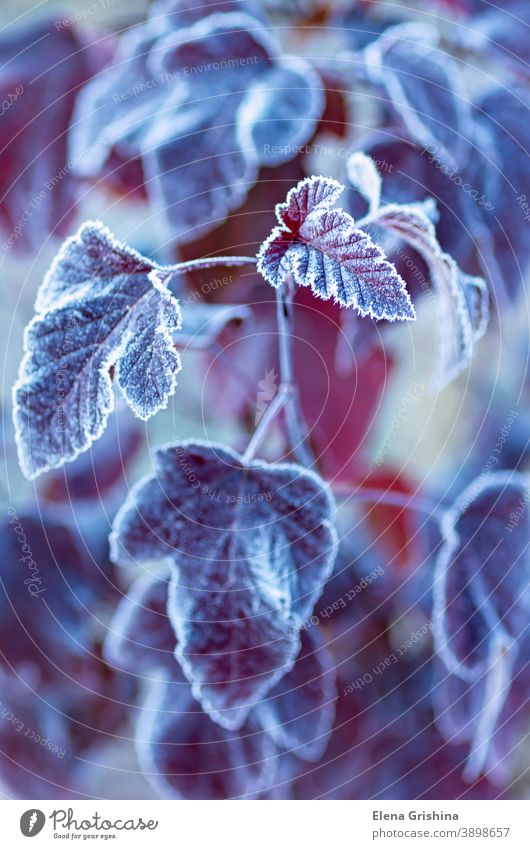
{"x":250,"y":545}
{"x":482,"y":607}
{"x":186,"y":755}
{"x":323,"y":249}
{"x":364,"y":176}
{"x":298,"y":712}
{"x":204,"y":106}
{"x":101,"y":306}
{"x":477,"y":301}
{"x":423,"y":85}
{"x":462,"y":300}
{"x":179,"y":13}
{"x":280,"y":110}
{"x":500,"y":33}
{"x":503,"y":172}
{"x":111,"y":110}
{"x":140,"y":636}
{"x":291,"y":8}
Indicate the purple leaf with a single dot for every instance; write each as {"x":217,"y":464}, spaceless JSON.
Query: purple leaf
{"x":48,"y":586}
{"x":410,"y":174}
{"x":27,"y":768}
{"x":423,"y":85}
{"x":186,"y":755}
{"x":180,"y":13}
{"x":111,"y":109}
{"x":501,"y":33}
{"x":101,"y":305}
{"x":140,"y":636}
{"x":298,"y":712}
{"x":482,"y":606}
{"x":504,"y":170}
{"x":204,"y":106}
{"x":250,"y":546}
{"x":42,"y":68}
{"x":462,"y":300}
{"x":322,"y":249}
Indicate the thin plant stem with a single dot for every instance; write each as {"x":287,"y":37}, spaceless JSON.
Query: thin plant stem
{"x":265,"y":422}
{"x":384,"y":498}
{"x":296,"y":425}
{"x":288,"y":396}
{"x":211,"y":262}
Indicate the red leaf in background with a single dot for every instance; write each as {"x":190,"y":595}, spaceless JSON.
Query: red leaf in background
{"x":396,"y":530}
{"x":244,"y":230}
{"x":340,"y":407}
{"x":335,"y":117}
{"x":42,"y":69}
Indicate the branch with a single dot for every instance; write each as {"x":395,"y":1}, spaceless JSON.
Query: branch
{"x":384,"y":498}
{"x":211,"y":262}
{"x":296,"y":426}
{"x":268,"y":417}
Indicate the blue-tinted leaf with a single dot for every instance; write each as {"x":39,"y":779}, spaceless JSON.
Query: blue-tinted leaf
{"x":102,"y":305}
{"x":178,"y":13}
{"x":298,"y":712}
{"x":322,"y":249}
{"x":186,"y":755}
{"x":482,"y":604}
{"x":281,"y":110}
{"x":424,"y":87}
{"x":462,"y":300}
{"x":140,"y":635}
{"x":251,"y":545}
{"x":504,"y":116}
{"x":411,"y":174}
{"x":111,"y":110}
{"x":502,"y":32}
{"x":483,"y":714}
{"x":204,"y":106}
{"x":364,"y":176}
